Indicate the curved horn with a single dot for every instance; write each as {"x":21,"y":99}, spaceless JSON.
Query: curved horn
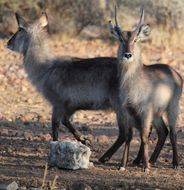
{"x":116,"y":21}
{"x":117,"y":28}
{"x":142,"y":16}
{"x":141,"y":21}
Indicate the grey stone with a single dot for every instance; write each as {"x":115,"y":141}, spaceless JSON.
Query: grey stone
{"x":69,"y":155}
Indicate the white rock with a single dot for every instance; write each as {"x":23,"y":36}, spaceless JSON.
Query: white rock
{"x":69,"y":155}
{"x":12,"y":186}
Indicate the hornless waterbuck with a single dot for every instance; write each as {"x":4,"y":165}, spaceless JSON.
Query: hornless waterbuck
{"x":69,"y":84}
{"x":148,"y":91}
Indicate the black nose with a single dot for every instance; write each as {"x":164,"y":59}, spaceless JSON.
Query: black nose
{"x":128,"y":55}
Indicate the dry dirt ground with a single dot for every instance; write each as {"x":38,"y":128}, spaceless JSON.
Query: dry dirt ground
{"x":25,"y":130}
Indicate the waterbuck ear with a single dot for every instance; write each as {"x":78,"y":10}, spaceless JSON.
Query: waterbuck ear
{"x":21,"y":22}
{"x":113,"y":30}
{"x":144,"y":33}
{"x":43,"y":20}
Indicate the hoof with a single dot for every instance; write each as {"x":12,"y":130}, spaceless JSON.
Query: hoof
{"x":86,"y":141}
{"x":175,"y":167}
{"x":146,"y":170}
{"x":122,"y":169}
{"x":91,"y":165}
{"x":152,"y":163}
{"x":136,"y":162}
{"x":103,"y":159}
{"x":175,"y":164}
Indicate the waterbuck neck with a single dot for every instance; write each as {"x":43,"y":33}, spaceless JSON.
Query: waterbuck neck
{"x":36,"y":58}
{"x":134,"y":81}
{"x":130,"y":68}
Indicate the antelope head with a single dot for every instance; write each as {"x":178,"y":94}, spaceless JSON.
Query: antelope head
{"x":128,"y":40}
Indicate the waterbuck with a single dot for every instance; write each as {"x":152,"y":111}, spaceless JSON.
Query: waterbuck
{"x":69,"y":84}
{"x":148,"y":91}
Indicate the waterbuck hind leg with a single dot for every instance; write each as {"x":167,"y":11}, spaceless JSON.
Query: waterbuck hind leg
{"x":173,"y":138}
{"x":123,"y":134}
{"x":172,"y":114}
{"x":162,"y":132}
{"x":108,"y":154}
{"x":139,"y":157}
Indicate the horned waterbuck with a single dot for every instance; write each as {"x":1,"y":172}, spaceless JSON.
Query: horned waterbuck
{"x":148,"y":91}
{"x":69,"y":84}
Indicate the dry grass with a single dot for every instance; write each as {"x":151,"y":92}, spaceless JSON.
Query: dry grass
{"x":166,"y":37}
{"x":48,"y":185}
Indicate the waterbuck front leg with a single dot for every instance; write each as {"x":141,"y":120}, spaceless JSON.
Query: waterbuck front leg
{"x":126,"y":151}
{"x":61,"y":115}
{"x":83,"y":139}
{"x":139,"y":157}
{"x":56,"y":119}
{"x":137,"y":123}
{"x":146,"y":128}
{"x":133,"y":120}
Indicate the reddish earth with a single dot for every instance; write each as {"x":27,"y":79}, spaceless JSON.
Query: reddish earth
{"x":25,"y":131}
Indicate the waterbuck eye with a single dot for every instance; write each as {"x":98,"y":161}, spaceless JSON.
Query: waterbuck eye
{"x":21,"y":29}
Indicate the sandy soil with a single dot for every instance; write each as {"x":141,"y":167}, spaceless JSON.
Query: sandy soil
{"x":25,"y":130}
